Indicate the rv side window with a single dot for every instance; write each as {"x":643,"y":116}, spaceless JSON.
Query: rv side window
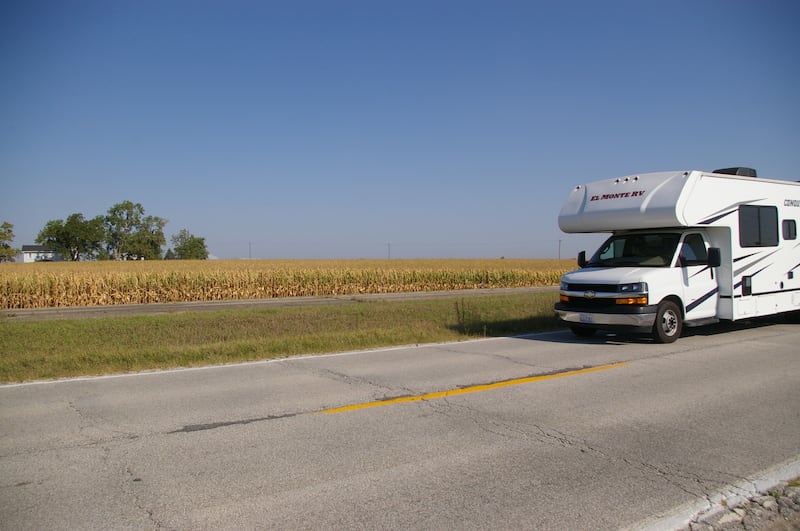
{"x":789,"y":229}
{"x":758,"y":226}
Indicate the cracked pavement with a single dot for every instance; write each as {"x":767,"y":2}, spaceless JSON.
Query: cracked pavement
{"x":633,"y":446}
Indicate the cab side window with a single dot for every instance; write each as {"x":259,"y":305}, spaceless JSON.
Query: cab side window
{"x":693,"y":251}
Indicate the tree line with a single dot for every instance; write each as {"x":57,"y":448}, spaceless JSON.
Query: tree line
{"x":123,"y":233}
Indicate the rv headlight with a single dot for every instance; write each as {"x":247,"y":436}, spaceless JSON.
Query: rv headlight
{"x":636,"y":287}
{"x":564,"y":285}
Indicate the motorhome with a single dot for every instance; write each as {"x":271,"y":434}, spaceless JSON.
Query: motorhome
{"x":686,"y":248}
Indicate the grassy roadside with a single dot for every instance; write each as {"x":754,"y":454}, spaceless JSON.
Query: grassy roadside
{"x":77,"y":347}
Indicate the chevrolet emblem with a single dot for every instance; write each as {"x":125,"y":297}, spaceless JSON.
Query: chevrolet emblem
{"x":589,"y":294}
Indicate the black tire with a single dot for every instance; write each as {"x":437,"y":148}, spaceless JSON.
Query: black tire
{"x":669,"y":323}
{"x":583,"y":331}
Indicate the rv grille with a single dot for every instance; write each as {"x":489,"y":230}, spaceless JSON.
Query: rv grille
{"x":604,"y":288}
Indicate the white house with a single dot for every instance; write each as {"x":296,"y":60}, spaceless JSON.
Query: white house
{"x":39,"y":253}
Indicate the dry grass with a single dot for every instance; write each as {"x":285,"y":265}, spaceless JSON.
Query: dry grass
{"x":63,"y":284}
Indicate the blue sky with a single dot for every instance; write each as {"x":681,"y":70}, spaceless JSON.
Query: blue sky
{"x":331,"y":129}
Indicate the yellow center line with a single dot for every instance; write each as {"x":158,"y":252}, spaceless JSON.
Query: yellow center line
{"x":473,"y":389}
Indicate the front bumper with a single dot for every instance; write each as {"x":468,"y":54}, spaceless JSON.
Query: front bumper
{"x":639,"y":318}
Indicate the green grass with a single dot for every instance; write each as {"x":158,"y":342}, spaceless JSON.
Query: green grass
{"x":78,"y":347}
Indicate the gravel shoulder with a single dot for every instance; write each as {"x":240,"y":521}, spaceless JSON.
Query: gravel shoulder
{"x":776,"y":509}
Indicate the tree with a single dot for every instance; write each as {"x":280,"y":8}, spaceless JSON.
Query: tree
{"x":131,"y":235}
{"x":7,"y":253}
{"x":74,"y":238}
{"x":189,"y":247}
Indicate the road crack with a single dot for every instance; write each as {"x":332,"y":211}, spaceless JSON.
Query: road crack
{"x":694,"y":484}
{"x":133,"y":484}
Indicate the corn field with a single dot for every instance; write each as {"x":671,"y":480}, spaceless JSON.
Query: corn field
{"x":59,"y":284}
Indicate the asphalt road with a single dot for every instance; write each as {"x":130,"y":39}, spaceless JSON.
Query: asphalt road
{"x":497,"y":433}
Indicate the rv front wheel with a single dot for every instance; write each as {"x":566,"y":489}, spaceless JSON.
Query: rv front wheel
{"x":669,"y":323}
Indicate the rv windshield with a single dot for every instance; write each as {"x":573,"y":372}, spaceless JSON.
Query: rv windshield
{"x":636,"y":250}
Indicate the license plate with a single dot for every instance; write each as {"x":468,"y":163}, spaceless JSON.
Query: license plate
{"x":586,"y":318}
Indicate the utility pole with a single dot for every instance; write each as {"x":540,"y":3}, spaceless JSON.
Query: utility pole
{"x":250,"y":250}
{"x":559,"y":249}
{"x":389,"y":251}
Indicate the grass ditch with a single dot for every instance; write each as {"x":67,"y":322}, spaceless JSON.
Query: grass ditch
{"x":81,"y":347}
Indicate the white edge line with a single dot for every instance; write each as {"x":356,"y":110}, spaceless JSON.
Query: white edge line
{"x":301,"y":357}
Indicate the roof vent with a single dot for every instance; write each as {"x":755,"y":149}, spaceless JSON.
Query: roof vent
{"x":742,"y":172}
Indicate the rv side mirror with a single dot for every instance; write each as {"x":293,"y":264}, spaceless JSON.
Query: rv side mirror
{"x":582,"y":259}
{"x":714,"y":257}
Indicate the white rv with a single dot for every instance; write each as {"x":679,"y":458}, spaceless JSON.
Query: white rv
{"x":687,"y":248}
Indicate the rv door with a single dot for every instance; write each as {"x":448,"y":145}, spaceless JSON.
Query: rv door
{"x":700,"y":287}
